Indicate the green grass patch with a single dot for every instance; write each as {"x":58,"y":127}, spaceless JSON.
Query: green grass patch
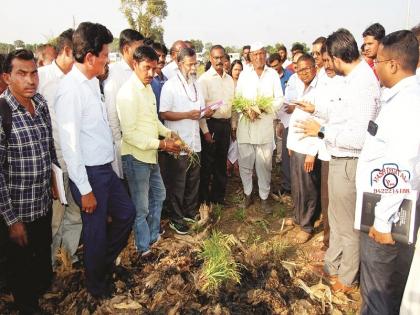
{"x":219,"y":265}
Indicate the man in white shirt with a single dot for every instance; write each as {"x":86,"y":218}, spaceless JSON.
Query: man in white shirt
{"x":66,"y":221}
{"x":255,"y":139}
{"x":119,"y":73}
{"x":393,"y":137}
{"x":181,"y":106}
{"x":294,"y":84}
{"x":171,"y":69}
{"x":216,"y":86}
{"x":86,"y":142}
{"x":344,"y":134}
{"x":305,"y":167}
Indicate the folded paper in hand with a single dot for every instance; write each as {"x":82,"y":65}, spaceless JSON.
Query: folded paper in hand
{"x":213,"y":106}
{"x":59,"y":179}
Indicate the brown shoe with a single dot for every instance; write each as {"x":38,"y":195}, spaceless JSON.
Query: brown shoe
{"x":338,"y":286}
{"x":302,"y":237}
{"x":320,"y":272}
{"x":317,"y":255}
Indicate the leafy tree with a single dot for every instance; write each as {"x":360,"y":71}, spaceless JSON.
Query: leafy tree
{"x":115,"y":46}
{"x":198,"y":44}
{"x":6,"y":48}
{"x":19,"y":43}
{"x":232,"y":49}
{"x":145,"y":16}
{"x":271,"y":49}
{"x":306,"y":49}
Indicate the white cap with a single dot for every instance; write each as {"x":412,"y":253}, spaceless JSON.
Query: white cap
{"x":256,"y":46}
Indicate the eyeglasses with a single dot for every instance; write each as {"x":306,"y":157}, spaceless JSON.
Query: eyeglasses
{"x":307,"y":69}
{"x":315,"y":53}
{"x":376,"y":61}
{"x":274,"y":65}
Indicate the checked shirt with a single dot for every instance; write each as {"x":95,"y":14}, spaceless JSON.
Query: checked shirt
{"x":25,"y":162}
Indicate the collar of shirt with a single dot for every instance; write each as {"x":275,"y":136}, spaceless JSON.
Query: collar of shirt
{"x":355,"y":71}
{"x":56,"y":69}
{"x":37,"y":101}
{"x":309,"y":89}
{"x":388,"y":94}
{"x":81,"y":78}
{"x":137,"y":82}
{"x":125,"y":65}
{"x":214,"y":73}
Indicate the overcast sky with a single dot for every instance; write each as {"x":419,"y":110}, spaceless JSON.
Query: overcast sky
{"x":217,"y":21}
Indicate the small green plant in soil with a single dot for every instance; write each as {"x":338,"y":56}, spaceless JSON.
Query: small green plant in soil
{"x":219,"y":265}
{"x":217,"y":211}
{"x":240,"y":214}
{"x":262,"y":224}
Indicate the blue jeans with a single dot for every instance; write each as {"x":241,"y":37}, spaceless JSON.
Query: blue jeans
{"x":148,"y":193}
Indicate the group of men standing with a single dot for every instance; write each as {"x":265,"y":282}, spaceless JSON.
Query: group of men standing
{"x":153,"y":122}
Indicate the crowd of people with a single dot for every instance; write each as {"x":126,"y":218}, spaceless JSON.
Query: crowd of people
{"x":141,"y":134}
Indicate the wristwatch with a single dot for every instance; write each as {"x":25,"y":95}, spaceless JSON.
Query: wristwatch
{"x":321,"y":131}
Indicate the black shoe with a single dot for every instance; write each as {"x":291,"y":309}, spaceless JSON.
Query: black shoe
{"x":189,"y":219}
{"x":283,"y":191}
{"x":179,"y":228}
{"x":247,"y":201}
{"x":265,"y":207}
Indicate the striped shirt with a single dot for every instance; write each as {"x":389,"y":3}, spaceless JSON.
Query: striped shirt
{"x":345,"y":131}
{"x":26,"y":158}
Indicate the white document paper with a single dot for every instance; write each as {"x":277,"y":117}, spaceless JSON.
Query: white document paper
{"x":233,"y":152}
{"x":59,"y":179}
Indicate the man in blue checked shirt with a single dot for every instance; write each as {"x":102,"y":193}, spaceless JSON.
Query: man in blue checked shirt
{"x":26,"y":156}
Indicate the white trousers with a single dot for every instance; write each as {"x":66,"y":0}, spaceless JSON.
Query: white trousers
{"x":259,"y":155}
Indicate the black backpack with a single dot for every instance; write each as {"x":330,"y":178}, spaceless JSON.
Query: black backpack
{"x":6,"y":119}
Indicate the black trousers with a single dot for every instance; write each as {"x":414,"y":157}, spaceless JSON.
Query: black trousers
{"x":285,"y":162}
{"x":183,"y":184}
{"x":213,"y":162}
{"x":383,"y":274}
{"x":306,"y":189}
{"x":29,"y":268}
{"x":104,"y":241}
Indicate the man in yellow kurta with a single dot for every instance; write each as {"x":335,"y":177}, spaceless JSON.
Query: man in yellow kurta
{"x":141,"y":128}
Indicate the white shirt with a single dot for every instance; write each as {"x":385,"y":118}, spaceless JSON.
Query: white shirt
{"x":329,"y":93}
{"x":49,"y":78}
{"x":174,"y":98}
{"x":250,"y":85}
{"x":397,"y":141}
{"x":295,"y":142}
{"x":119,"y":73}
{"x":418,"y":74}
{"x":345,"y":131}
{"x":286,"y":63}
{"x":85,"y":135}
{"x":293,"y":86}
{"x":170,"y":70}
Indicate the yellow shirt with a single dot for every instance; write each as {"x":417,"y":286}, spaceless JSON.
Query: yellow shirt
{"x":141,"y":128}
{"x":216,"y":88}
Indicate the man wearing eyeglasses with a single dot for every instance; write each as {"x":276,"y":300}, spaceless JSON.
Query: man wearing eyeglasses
{"x":344,"y":134}
{"x":304,"y":164}
{"x":182,"y":105}
{"x":393,"y":137}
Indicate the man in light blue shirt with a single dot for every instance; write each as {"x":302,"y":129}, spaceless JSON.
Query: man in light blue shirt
{"x":86,"y":142}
